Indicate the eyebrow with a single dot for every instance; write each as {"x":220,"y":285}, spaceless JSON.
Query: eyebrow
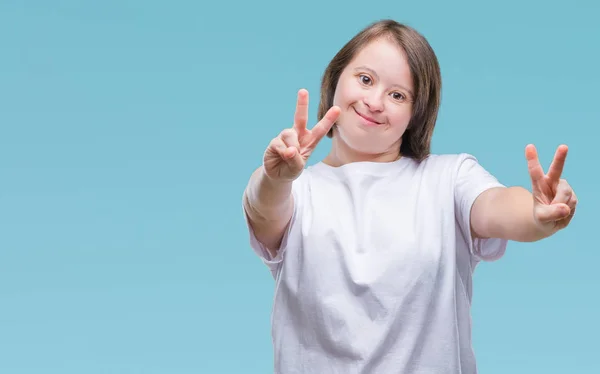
{"x":376,"y":76}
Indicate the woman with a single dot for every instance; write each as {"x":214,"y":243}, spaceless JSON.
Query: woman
{"x":373,"y":248}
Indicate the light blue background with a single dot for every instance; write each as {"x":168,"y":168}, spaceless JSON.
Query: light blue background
{"x":129,"y":129}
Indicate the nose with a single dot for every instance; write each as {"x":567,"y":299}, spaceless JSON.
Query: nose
{"x":373,"y":101}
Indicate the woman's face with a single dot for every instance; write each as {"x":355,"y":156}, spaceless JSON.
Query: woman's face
{"x":375,"y":95}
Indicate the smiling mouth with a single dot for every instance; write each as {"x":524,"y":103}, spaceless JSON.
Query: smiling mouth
{"x":368,"y":120}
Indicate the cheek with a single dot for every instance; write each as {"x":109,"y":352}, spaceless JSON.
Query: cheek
{"x":401,"y":116}
{"x":345,"y":93}
{"x":338,"y":97}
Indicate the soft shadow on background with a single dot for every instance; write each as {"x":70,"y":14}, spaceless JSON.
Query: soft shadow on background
{"x":128,"y":130}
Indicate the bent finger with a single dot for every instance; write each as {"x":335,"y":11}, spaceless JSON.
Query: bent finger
{"x":290,"y":138}
{"x":564,"y":193}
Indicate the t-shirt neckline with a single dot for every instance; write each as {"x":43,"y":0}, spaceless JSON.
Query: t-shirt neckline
{"x":364,"y":167}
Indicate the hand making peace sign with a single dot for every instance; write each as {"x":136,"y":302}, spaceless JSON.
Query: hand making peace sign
{"x":554,"y":200}
{"x":286,"y":155}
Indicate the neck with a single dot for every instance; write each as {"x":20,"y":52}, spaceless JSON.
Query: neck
{"x":341,"y":154}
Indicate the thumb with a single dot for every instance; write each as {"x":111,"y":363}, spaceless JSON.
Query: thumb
{"x":552,"y":213}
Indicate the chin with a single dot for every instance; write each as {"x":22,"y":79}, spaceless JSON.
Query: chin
{"x":366,"y":140}
{"x":359,"y":140}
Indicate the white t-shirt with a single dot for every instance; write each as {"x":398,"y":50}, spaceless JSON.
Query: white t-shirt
{"x":374,"y":274}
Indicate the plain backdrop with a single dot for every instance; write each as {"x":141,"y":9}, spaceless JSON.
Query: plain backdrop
{"x":128,"y":131}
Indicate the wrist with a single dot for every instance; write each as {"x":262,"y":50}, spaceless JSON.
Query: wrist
{"x":276,"y":181}
{"x":268,"y":197}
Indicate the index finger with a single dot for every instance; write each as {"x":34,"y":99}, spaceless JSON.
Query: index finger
{"x":556,"y":168}
{"x":533,"y":164}
{"x":301,"y":115}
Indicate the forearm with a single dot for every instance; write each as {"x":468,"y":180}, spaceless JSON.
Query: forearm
{"x":509,"y":215}
{"x":269,"y":206}
{"x":267,"y":198}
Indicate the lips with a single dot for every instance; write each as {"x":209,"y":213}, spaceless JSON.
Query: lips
{"x":369,"y":120}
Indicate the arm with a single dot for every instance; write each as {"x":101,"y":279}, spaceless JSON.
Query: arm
{"x":505,"y":213}
{"x":516,"y":214}
{"x":268,"y":200}
{"x":269,"y":206}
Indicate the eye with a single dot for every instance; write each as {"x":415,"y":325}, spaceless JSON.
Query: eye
{"x":398,"y":96}
{"x":365,"y":79}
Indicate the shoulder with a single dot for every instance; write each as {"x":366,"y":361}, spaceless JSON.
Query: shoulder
{"x":462,"y":172}
{"x":447,"y":164}
{"x":448,"y":159}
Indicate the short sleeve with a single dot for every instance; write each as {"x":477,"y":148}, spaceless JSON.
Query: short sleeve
{"x":472,"y":180}
{"x":274,"y":263}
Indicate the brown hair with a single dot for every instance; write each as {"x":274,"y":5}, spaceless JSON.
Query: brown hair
{"x":425,"y":70}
